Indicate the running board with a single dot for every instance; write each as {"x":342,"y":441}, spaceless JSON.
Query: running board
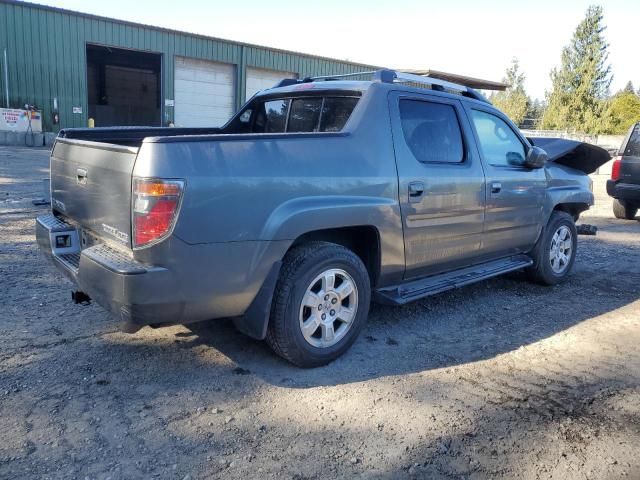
{"x":407,"y":292}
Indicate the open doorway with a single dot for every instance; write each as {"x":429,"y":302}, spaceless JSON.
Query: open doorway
{"x":124,"y":86}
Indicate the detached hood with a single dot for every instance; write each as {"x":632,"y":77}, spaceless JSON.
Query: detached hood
{"x":579,"y":155}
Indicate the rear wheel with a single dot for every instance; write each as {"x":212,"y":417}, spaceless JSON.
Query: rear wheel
{"x":623,"y":210}
{"x":555,"y":252}
{"x":320,"y":304}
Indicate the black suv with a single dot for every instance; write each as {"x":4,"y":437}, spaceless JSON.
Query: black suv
{"x":624,"y":185}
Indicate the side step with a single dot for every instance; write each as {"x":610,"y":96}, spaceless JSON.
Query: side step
{"x":413,"y":290}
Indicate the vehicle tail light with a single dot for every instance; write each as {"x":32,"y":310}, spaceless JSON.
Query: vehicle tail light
{"x":615,"y":169}
{"x":156,"y":204}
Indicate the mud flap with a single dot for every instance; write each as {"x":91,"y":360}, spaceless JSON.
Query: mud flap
{"x":255,"y":321}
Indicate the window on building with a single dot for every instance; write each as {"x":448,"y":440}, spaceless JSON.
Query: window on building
{"x":432,"y":131}
{"x":499,"y":144}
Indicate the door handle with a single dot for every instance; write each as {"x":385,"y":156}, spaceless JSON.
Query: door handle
{"x":81,"y":176}
{"x":416,"y":190}
{"x":496,"y":187}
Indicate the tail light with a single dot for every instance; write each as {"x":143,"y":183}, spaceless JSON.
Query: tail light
{"x":615,"y":169}
{"x":155,"y":208}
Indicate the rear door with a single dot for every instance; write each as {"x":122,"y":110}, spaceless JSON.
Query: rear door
{"x":91,"y":185}
{"x":515,"y":194}
{"x":441,"y":183}
{"x":630,"y":164}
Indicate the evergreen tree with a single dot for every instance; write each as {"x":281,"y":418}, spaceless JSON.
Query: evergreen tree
{"x":580,"y":85}
{"x":535,"y":112}
{"x":623,"y":110}
{"x":514,"y":101}
{"x":628,"y":88}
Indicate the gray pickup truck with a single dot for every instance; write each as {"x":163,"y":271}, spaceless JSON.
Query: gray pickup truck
{"x":318,"y":196}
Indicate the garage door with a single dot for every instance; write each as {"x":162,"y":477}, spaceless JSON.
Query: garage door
{"x":203,"y":93}
{"x":259,"y":79}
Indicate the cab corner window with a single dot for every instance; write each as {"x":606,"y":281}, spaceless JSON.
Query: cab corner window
{"x":272,"y":117}
{"x":432,"y":131}
{"x":500,"y":146}
{"x":335,"y":113}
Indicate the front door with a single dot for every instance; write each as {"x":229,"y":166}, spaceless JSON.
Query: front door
{"x":441,"y":183}
{"x":515,"y":193}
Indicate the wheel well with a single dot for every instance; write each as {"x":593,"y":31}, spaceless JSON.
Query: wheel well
{"x":363,"y":240}
{"x":573,"y":209}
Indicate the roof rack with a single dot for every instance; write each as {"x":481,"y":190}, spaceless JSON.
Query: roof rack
{"x":393,"y":76}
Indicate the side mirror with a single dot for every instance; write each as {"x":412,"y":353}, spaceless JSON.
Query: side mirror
{"x":536,"y":158}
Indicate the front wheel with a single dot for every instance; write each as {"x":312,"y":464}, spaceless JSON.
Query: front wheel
{"x":320,"y":304}
{"x":623,"y":210}
{"x":555,"y":252}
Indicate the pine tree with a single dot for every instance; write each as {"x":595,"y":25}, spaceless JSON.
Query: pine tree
{"x":514,"y":101}
{"x":536,"y":111}
{"x":580,"y":85}
{"x":628,"y":88}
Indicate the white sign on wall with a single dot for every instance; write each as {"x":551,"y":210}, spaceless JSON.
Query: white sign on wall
{"x":16,"y":120}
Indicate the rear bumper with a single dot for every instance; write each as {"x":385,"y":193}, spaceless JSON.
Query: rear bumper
{"x":137,"y":294}
{"x":623,"y":191}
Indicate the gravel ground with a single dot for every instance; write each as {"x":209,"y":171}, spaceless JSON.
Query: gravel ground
{"x":502,"y":379}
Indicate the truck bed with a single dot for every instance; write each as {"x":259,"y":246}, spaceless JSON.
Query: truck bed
{"x":130,"y":136}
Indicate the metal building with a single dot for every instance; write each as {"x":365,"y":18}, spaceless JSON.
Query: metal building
{"x":74,"y":66}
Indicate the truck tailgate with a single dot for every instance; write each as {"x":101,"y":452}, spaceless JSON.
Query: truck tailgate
{"x":91,"y":185}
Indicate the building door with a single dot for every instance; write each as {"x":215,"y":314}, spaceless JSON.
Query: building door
{"x":123,"y":87}
{"x":204,"y":92}
{"x":259,"y":79}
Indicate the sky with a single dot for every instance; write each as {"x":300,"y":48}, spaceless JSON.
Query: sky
{"x":476,"y":38}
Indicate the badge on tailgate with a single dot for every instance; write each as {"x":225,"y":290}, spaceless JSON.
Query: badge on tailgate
{"x":114,"y":232}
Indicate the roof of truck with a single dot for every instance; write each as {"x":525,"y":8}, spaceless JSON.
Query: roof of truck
{"x":348,"y":85}
{"x":390,"y":78}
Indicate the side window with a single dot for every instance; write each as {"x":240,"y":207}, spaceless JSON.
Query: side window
{"x":432,"y":131}
{"x":305,"y":114}
{"x":499,"y":144}
{"x":336,"y":112}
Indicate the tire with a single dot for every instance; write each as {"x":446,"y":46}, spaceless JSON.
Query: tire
{"x":305,"y":276}
{"x":624,"y":211}
{"x":549,"y":269}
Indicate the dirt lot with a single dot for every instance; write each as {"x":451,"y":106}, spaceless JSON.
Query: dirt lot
{"x":503,"y":379}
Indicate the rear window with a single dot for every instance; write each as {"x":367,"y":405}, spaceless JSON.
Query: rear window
{"x":305,"y":115}
{"x":302,"y":114}
{"x":632,"y":149}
